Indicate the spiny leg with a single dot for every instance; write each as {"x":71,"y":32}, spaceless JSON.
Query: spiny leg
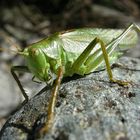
{"x":111,"y":46}
{"x":52,"y":103}
{"x":20,"y":69}
{"x":85,"y":56}
{"x":108,"y":67}
{"x":96,"y":58}
{"x":92,"y":64}
{"x":88,"y":65}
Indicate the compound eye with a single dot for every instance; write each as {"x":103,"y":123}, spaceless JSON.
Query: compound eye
{"x":34,"y":52}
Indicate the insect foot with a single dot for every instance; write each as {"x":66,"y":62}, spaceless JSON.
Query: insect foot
{"x":47,"y":127}
{"x":120,"y":82}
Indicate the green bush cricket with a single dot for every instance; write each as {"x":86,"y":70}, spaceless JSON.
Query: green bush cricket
{"x":79,"y":51}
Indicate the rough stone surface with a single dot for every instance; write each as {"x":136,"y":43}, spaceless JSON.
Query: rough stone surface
{"x":87,"y":108}
{"x":9,"y":98}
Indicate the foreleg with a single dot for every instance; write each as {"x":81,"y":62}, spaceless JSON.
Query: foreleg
{"x":20,"y":69}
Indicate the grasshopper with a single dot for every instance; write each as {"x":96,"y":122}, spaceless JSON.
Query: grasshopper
{"x":79,"y":51}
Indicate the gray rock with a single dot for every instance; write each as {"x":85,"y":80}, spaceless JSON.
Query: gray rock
{"x":87,"y":108}
{"x":9,"y":98}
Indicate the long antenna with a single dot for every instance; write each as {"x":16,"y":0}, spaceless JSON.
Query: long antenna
{"x":16,"y":52}
{"x":12,"y":43}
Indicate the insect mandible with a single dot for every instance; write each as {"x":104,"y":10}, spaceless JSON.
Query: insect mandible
{"x":79,"y":51}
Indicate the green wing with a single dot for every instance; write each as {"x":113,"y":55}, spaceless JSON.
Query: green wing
{"x":77,"y":40}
